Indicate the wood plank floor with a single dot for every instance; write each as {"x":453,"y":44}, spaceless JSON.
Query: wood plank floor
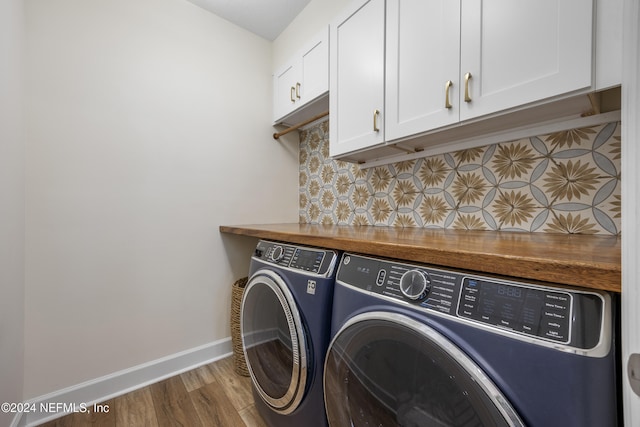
{"x":211,"y":395}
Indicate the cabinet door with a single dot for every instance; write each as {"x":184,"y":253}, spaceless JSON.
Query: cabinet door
{"x":284,"y":90}
{"x":314,"y":68}
{"x":608,"y":41}
{"x":517,"y":52}
{"x":423,"y":54}
{"x":357,"y":78}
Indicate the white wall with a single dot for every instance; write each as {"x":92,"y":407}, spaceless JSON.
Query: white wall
{"x":148,"y":127}
{"x":11,"y":205}
{"x":315,"y":16}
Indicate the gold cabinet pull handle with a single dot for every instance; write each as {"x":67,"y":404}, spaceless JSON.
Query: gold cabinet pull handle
{"x":447,"y":86}
{"x":298,"y":90}
{"x":467,"y":77}
{"x":376,"y":113}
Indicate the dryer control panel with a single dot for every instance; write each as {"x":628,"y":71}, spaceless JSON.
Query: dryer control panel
{"x":312,"y":260}
{"x":562,"y":315}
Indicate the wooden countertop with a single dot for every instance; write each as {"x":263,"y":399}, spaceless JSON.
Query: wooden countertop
{"x":580,"y":260}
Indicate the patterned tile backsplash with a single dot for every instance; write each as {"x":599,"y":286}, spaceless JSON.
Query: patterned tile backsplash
{"x":565,"y":182}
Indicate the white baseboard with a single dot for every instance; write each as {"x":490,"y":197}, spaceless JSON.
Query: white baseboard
{"x":122,"y":382}
{"x":18,"y":421}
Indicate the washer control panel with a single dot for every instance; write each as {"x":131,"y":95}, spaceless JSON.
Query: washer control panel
{"x":561,"y":315}
{"x":311,"y":260}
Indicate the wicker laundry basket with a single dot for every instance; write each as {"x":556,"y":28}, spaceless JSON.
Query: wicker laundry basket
{"x":237,"y":292}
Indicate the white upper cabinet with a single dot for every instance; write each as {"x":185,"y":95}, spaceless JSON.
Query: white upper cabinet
{"x":414,"y":67}
{"x":422,"y":66}
{"x":449,"y":61}
{"x":517,"y":52}
{"x":609,"y":17}
{"x":303,"y":79}
{"x":357,"y":78}
{"x":285,"y":81}
{"x":314,"y":68}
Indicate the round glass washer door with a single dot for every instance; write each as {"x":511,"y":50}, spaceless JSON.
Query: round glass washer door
{"x":386,"y":369}
{"x":274,"y":341}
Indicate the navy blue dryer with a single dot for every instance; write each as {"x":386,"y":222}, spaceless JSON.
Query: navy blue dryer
{"x":285,"y":325}
{"x":416,"y":345}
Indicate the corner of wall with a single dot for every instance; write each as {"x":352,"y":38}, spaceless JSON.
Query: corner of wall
{"x":12,"y":194}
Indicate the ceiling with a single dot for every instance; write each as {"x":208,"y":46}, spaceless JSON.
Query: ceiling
{"x":266,"y":18}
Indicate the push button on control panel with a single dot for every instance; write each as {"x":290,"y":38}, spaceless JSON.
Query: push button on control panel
{"x":470,"y":298}
{"x":382,"y":274}
{"x":555,"y":316}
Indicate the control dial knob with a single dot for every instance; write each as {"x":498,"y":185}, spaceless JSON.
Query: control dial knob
{"x":415,"y":284}
{"x":277,"y":253}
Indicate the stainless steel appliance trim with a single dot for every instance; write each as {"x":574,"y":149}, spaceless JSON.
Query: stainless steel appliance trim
{"x":490,"y":389}
{"x":291,"y":399}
